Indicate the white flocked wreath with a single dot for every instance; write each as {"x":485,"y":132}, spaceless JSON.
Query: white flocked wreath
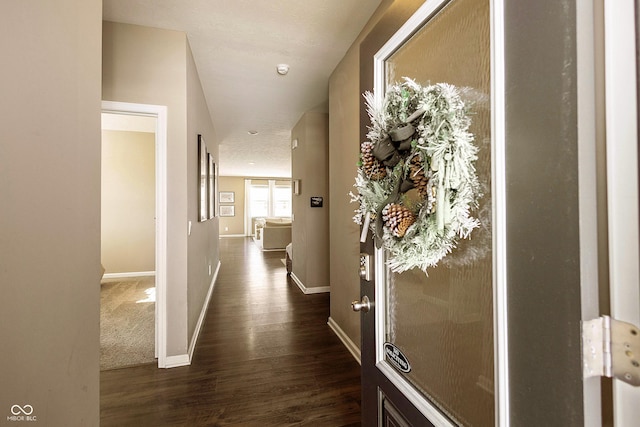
{"x":416,"y":180}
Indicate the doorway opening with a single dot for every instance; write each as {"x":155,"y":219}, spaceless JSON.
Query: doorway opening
{"x":150,"y":120}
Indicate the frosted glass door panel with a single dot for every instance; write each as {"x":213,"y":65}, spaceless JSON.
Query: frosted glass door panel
{"x":443,"y":322}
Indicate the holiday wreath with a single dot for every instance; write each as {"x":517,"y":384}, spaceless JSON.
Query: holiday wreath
{"x":416,"y":177}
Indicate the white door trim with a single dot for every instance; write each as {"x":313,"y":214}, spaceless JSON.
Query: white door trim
{"x":160,"y":113}
{"x":499,"y":218}
{"x":622,"y":183}
{"x":587,"y":187}
{"x":248,"y":228}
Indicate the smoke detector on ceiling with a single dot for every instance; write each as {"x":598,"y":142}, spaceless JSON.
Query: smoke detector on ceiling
{"x":283,"y":69}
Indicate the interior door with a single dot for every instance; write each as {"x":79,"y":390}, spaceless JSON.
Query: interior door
{"x":441,"y":323}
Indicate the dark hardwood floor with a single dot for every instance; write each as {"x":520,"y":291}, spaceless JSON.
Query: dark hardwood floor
{"x":265,"y":357}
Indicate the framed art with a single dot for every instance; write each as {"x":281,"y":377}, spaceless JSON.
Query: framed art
{"x":227,"y":197}
{"x":227,"y":210}
{"x":211,"y":186}
{"x":203,"y":208}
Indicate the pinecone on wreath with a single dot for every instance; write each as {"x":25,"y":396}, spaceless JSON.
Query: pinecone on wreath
{"x":397,"y":218}
{"x":371,"y":166}
{"x":416,"y":174}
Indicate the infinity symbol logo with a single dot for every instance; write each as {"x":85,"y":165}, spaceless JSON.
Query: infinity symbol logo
{"x":26,"y":409}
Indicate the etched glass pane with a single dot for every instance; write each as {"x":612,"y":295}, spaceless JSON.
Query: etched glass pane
{"x":443,"y":321}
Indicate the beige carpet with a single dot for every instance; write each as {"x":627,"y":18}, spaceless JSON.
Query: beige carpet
{"x":127,"y":322}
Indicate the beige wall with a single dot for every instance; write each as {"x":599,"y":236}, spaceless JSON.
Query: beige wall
{"x":344,"y":129}
{"x":203,"y":248}
{"x":153,"y":66}
{"x":310,"y":228}
{"x":344,"y":144}
{"x":128,"y":201}
{"x":50,"y":214}
{"x":148,"y":66}
{"x":233,"y":225}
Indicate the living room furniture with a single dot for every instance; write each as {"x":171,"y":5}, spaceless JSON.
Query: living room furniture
{"x":289,"y":258}
{"x":272,"y":233}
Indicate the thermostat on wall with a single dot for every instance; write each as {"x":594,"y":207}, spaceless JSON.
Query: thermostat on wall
{"x":316,"y":202}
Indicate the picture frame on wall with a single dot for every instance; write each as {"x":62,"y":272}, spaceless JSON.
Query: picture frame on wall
{"x":226,"y":197}
{"x":203,"y":207}
{"x":226,"y":210}
{"x":211,"y":186}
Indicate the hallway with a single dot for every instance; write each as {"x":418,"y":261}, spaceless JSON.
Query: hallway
{"x":265,"y":357}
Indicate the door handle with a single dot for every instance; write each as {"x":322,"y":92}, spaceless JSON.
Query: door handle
{"x":364,"y":305}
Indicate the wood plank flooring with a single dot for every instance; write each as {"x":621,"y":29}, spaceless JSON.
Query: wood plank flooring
{"x":265,"y":357}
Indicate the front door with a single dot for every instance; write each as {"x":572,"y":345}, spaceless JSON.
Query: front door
{"x":490,"y":333}
{"x":432,"y":332}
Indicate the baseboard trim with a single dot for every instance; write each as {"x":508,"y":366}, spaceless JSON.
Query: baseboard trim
{"x":351,"y":346}
{"x":203,"y":313}
{"x":222,"y":236}
{"x":176,"y":361}
{"x":308,"y":291}
{"x":128,"y":274}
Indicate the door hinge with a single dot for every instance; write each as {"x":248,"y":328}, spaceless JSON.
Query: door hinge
{"x":611,"y":348}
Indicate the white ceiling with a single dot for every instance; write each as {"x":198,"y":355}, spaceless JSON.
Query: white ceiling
{"x":237,"y":45}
